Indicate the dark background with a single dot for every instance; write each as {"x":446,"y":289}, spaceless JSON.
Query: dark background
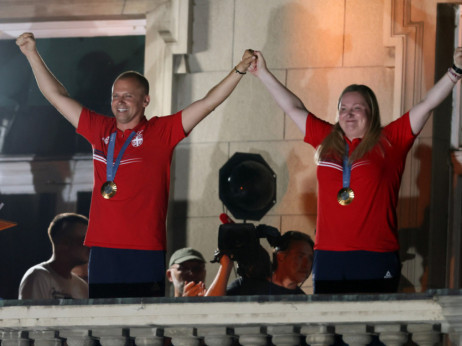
{"x":30,"y":126}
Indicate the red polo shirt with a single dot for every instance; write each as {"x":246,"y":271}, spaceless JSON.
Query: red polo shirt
{"x":135,"y":217}
{"x":369,"y":223}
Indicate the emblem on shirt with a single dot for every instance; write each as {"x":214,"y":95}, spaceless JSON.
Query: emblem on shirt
{"x":138,"y":139}
{"x":105,"y":140}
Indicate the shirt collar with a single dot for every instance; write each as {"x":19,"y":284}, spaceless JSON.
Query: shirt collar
{"x":352,"y":144}
{"x":127,"y":132}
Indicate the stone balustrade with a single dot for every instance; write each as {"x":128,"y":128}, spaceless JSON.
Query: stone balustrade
{"x":424,"y":318}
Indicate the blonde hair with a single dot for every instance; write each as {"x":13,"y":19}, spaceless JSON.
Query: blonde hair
{"x":333,"y":146}
{"x":142,"y":80}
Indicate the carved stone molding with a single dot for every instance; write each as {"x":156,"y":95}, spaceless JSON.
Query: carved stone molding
{"x":167,"y":34}
{"x":405,"y":37}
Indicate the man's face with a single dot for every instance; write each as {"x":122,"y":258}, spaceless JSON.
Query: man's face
{"x":296,"y":263}
{"x":76,"y":250}
{"x":187,"y":271}
{"x":128,"y":102}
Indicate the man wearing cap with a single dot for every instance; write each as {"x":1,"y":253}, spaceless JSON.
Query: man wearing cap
{"x":187,"y":272}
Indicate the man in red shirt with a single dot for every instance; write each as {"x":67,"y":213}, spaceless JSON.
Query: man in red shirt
{"x":132,"y":158}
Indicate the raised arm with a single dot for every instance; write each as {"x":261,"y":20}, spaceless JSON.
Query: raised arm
{"x":218,"y":286}
{"x":194,"y":113}
{"x":287,"y":100}
{"x":50,"y":87}
{"x":420,"y":113}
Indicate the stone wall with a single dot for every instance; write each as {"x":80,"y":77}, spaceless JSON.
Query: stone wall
{"x":316,"y":49}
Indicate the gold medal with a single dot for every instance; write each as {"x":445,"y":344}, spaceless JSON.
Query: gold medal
{"x":109,"y":189}
{"x":345,"y":196}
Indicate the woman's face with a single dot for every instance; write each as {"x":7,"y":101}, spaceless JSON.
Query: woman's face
{"x":354,"y":115}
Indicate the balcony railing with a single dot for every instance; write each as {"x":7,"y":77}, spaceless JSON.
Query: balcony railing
{"x":424,"y":318}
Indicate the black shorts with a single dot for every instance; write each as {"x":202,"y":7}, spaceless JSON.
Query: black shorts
{"x":122,"y":273}
{"x":356,"y":272}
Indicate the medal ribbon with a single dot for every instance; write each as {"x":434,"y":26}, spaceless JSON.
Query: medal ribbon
{"x":346,"y":169}
{"x":111,"y":166}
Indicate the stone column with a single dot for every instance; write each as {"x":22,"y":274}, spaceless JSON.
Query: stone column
{"x":16,"y":338}
{"x":392,"y":334}
{"x":322,"y":335}
{"x":355,"y":334}
{"x":78,"y":337}
{"x":252,"y":336}
{"x":285,"y":335}
{"x":147,"y":336}
{"x":46,"y":338}
{"x":112,"y":336}
{"x":425,"y":334}
{"x":183,"y":336}
{"x":217,"y":336}
{"x":452,"y":312}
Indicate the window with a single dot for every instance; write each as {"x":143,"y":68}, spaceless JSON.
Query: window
{"x":85,"y":65}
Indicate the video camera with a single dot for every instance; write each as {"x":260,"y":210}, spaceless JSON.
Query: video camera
{"x":240,"y":241}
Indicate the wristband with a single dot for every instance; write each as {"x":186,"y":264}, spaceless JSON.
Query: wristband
{"x":456,"y":69}
{"x":453,"y":76}
{"x":237,"y":71}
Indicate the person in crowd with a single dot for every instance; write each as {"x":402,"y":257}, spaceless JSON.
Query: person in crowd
{"x":132,"y":157}
{"x":187,"y":272}
{"x":292,"y":263}
{"x":54,"y":279}
{"x":254,"y":272}
{"x":359,"y":170}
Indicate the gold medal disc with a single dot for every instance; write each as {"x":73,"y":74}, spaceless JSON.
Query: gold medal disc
{"x":109,"y":189}
{"x":345,"y":196}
